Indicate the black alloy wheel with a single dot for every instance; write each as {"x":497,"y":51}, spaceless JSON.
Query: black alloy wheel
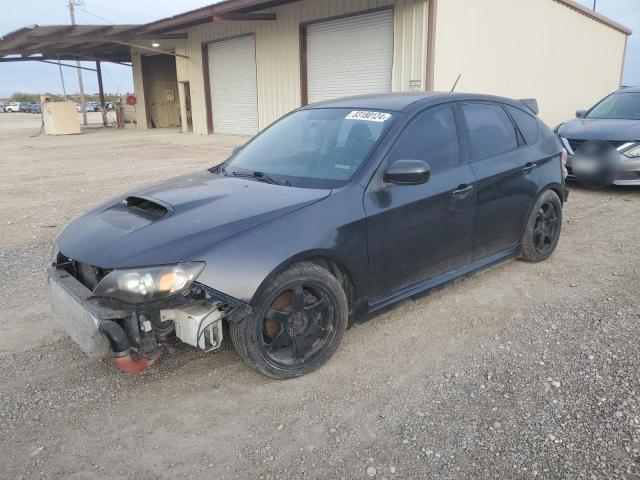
{"x":297,"y":325}
{"x":547,"y":228}
{"x":543,"y":228}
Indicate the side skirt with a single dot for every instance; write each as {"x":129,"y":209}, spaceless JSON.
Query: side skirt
{"x":432,"y":283}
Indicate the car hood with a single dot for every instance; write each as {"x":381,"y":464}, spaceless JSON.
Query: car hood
{"x":170,"y":221}
{"x":601,"y":129}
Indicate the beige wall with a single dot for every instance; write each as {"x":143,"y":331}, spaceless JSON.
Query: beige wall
{"x":527,"y":48}
{"x":278,"y":52}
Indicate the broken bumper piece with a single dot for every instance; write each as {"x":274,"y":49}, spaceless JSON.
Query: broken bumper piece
{"x":137,"y":334}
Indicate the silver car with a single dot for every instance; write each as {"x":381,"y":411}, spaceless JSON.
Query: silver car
{"x":609,"y":131}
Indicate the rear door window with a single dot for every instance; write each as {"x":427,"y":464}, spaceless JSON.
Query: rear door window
{"x":491,"y":131}
{"x":528,"y":124}
{"x":433,"y":137}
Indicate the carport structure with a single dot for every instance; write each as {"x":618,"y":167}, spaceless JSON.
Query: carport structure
{"x":109,"y":43}
{"x":93,"y":43}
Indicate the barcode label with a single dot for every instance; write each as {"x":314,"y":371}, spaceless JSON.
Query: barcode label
{"x":378,"y":117}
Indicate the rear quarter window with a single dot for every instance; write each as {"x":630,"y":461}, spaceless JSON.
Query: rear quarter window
{"x":528,"y":124}
{"x":491,"y":131}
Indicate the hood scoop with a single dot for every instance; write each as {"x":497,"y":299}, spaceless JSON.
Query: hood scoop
{"x":145,"y":207}
{"x":133,"y":213}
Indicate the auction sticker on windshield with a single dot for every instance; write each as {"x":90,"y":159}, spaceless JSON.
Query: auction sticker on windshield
{"x":378,"y":117}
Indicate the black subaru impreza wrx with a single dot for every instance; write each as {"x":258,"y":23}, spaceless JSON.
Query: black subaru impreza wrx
{"x":337,"y":210}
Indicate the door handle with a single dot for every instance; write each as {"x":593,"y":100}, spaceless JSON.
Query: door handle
{"x":463,"y":191}
{"x":529,"y":167}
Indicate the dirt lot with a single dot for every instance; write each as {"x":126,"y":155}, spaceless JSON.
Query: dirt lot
{"x":524,"y":371}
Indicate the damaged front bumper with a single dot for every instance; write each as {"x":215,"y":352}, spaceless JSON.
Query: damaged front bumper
{"x":136,"y":334}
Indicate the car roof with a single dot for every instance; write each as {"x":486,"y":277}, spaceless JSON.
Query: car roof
{"x":629,"y":90}
{"x":402,"y":101}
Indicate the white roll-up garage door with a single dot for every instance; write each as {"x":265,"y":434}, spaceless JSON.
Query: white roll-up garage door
{"x":350,"y":56}
{"x":232,"y":76}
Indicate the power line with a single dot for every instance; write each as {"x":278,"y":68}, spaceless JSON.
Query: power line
{"x":96,"y":16}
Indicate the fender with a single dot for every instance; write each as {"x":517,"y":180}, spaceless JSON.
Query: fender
{"x":241,"y":266}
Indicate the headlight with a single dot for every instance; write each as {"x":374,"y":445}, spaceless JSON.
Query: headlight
{"x":633,"y":152}
{"x":142,"y":285}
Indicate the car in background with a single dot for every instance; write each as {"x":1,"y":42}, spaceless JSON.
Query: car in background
{"x":604,"y":142}
{"x":13,"y":107}
{"x":34,"y":108}
{"x":93,"y":106}
{"x":337,"y":210}
{"x":90,"y":107}
{"x":1,"y":108}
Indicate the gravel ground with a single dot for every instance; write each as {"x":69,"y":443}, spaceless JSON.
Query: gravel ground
{"x":523,"y":371}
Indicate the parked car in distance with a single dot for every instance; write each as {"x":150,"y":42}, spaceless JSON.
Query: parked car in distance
{"x":90,"y":107}
{"x":609,"y":132}
{"x":33,"y":108}
{"x":337,"y":210}
{"x":13,"y":107}
{"x":1,"y":108}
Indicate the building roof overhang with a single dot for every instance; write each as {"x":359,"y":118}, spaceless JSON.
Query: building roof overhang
{"x":109,"y":43}
{"x":229,"y":7}
{"x":227,"y":10}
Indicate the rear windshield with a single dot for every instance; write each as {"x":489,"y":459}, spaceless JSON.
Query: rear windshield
{"x":624,"y":106}
{"x":318,"y":148}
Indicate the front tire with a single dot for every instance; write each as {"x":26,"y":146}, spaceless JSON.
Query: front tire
{"x":297,"y":325}
{"x":543,"y":227}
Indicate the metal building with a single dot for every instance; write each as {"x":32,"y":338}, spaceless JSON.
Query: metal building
{"x":236,"y":66}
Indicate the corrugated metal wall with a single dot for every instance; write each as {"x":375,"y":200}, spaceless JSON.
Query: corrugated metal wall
{"x":160,"y":79}
{"x":162,"y":90}
{"x":278,"y":53}
{"x":527,"y":48}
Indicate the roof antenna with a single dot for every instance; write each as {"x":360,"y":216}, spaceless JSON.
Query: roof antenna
{"x":456,"y":84}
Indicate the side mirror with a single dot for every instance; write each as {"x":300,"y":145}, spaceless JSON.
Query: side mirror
{"x":408,"y":172}
{"x":581,"y":113}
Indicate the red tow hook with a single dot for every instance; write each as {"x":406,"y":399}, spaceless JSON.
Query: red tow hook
{"x":119,"y":342}
{"x":127,"y":364}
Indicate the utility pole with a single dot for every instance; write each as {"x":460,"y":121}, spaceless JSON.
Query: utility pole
{"x":64,"y":90}
{"x":101,"y":90}
{"x":594,"y":5}
{"x":80,"y":84}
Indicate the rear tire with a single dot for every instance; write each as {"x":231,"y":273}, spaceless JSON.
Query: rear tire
{"x":297,"y":325}
{"x":543,"y":227}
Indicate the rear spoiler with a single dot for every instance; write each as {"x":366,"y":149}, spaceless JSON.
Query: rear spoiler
{"x":531,"y":104}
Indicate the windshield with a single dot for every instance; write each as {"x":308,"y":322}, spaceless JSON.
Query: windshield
{"x":319,"y":148}
{"x":624,"y":106}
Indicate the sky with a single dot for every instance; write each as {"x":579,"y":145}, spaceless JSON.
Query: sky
{"x":35,"y":77}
